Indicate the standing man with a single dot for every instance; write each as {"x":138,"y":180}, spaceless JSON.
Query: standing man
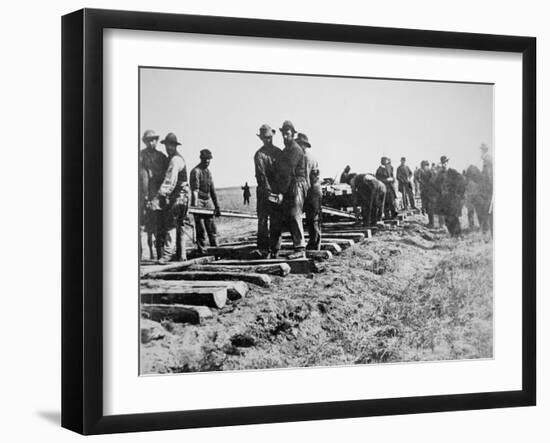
{"x":203,"y":196}
{"x":451,"y":187}
{"x":312,"y":205}
{"x":265,"y":160}
{"x":477,"y":201}
{"x":246,"y":194}
{"x":427,"y":191}
{"x":292,"y":184}
{"x":152,"y":168}
{"x":173,"y":198}
{"x":404,"y":175}
{"x":384,"y":173}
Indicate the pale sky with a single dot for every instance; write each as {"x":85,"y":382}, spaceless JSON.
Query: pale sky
{"x":348,"y":121}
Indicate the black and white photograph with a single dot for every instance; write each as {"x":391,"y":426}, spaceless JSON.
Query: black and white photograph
{"x":291,"y":221}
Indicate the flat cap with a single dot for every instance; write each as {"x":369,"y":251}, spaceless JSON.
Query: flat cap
{"x":205,"y":153}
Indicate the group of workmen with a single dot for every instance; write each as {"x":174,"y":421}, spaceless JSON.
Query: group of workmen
{"x":289,"y":187}
{"x":443,"y":192}
{"x":165,"y":195}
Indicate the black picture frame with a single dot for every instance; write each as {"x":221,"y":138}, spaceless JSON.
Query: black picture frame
{"x":82,"y":215}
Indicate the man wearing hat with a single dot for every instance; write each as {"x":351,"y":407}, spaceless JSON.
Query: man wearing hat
{"x":292,"y":184}
{"x":451,"y":187}
{"x":404,"y":175}
{"x":265,"y":160}
{"x":152,"y":167}
{"x":173,"y":198}
{"x":312,"y":205}
{"x":427,"y":191}
{"x":384,"y":173}
{"x":203,"y":196}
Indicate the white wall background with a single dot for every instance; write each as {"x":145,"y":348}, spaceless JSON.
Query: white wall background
{"x":30,"y":247}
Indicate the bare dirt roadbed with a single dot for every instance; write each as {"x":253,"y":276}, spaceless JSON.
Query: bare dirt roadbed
{"x":404,"y":295}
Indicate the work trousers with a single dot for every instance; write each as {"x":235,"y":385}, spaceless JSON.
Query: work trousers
{"x":389,"y":206}
{"x":453,"y":225}
{"x":152,"y":229}
{"x":265,"y":211}
{"x":174,"y":238}
{"x":312,"y":209}
{"x":294,"y":224}
{"x":408,"y":197}
{"x":427,"y":206}
{"x":205,"y":226}
{"x":289,"y":216}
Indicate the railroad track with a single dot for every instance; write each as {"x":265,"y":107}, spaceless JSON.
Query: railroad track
{"x":187,"y":292}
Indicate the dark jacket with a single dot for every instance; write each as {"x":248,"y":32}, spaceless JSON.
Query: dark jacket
{"x":153,"y":165}
{"x":363,"y":186}
{"x":291,"y":168}
{"x":201,"y":180}
{"x":403,"y":176}
{"x":265,"y":160}
{"x":450,"y":186}
{"x":246,"y":191}
{"x":385,"y":174}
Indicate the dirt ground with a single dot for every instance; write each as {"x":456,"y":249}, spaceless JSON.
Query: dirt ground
{"x":405,"y":295}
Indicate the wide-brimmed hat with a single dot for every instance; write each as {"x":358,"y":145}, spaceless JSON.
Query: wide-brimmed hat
{"x":302,"y":139}
{"x":484,"y":147}
{"x":206,"y":154}
{"x":383,"y":159}
{"x":266,"y":131}
{"x":287,"y":124}
{"x":403,"y":159}
{"x":444,"y":159}
{"x":149,"y":134}
{"x":170,"y":139}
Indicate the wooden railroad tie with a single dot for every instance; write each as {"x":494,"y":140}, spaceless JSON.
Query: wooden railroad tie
{"x":177,"y":313}
{"x":238,"y":251}
{"x":297,"y":266}
{"x":149,"y":267}
{"x":280,"y":269}
{"x":235,"y":289}
{"x":257,"y":279}
{"x":213,"y":297}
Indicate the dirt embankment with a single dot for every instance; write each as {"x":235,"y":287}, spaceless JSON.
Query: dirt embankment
{"x":403,"y":295}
